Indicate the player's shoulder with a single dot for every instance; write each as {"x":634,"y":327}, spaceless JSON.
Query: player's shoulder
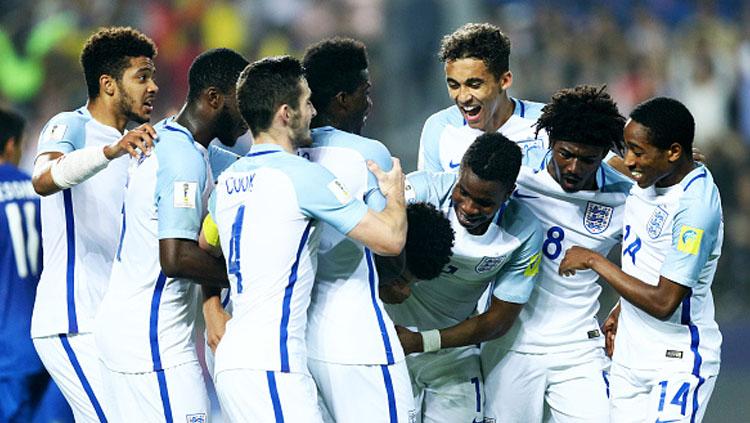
{"x":369,"y":148}
{"x":69,"y":125}
{"x":517,"y":219}
{"x":699,"y":191}
{"x":527,"y":109}
{"x":175,"y":143}
{"x":450,"y":116}
{"x":614,"y":181}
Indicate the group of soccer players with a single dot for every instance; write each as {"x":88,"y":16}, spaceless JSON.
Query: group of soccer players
{"x":488,"y":257}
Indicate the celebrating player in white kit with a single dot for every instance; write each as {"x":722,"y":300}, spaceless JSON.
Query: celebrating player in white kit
{"x":82,"y":187}
{"x":146,"y":322}
{"x":497,"y":245}
{"x":267,"y":207}
{"x":352,"y":343}
{"x":667,"y":346}
{"x":477,"y":72}
{"x":553,"y":355}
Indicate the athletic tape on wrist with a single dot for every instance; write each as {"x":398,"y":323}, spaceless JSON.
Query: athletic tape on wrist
{"x":77,"y":166}
{"x":430,"y":340}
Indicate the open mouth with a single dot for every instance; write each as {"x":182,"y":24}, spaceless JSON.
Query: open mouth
{"x":148,"y":104}
{"x":471,"y":113}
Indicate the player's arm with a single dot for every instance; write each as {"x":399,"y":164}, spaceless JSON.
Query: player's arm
{"x":659,"y":301}
{"x":491,"y":324}
{"x":215,"y":316}
{"x":384,"y":232}
{"x":55,"y":170}
{"x":183,"y":258}
{"x":429,"y":149}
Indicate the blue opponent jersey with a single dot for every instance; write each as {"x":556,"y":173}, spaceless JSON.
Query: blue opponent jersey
{"x":20,"y":260}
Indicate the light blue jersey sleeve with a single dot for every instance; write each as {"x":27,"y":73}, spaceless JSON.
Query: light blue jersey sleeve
{"x":695,"y":232}
{"x":519,"y":275}
{"x":180,"y":182}
{"x":64,"y":133}
{"x":535,"y":158}
{"x":321,"y":196}
{"x":429,"y":187}
{"x":212,"y":203}
{"x":429,"y":141}
{"x":220,"y":159}
{"x":377,"y":152}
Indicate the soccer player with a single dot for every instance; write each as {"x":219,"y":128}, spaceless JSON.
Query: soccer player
{"x":497,"y":246}
{"x":553,"y":354}
{"x":352,"y":344}
{"x":82,"y":183}
{"x":267,"y":207}
{"x":145,"y":324}
{"x":477,"y":72}
{"x":666,"y":351}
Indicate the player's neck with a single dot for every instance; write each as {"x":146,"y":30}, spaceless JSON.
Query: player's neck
{"x":503,"y":112}
{"x":199,"y":127}
{"x":679,"y":172}
{"x":275,"y":136}
{"x":104,"y":111}
{"x":324,"y":119}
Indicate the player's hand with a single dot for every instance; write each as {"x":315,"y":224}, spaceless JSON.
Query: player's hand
{"x":698,"y":155}
{"x":216,"y":325}
{"x":576,"y":258}
{"x":610,"y":330}
{"x":140,"y":138}
{"x":391,"y":183}
{"x":395,"y":293}
{"x":410,"y":341}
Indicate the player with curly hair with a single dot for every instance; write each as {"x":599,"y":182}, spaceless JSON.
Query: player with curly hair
{"x":553,"y":355}
{"x":81,"y":179}
{"x":496,"y":248}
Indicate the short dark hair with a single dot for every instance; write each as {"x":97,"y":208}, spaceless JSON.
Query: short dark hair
{"x":429,"y":241}
{"x":332,"y":66}
{"x":264,"y":86}
{"x":583,"y":115}
{"x":668,"y":121}
{"x":11,"y":126}
{"x":219,"y":67}
{"x":493,"y":157}
{"x":108,"y":52}
{"x":478,"y":41}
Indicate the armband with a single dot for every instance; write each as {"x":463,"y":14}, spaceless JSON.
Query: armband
{"x":430,"y":340}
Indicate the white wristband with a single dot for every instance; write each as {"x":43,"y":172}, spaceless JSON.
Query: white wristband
{"x":75,"y":167}
{"x":430,"y":340}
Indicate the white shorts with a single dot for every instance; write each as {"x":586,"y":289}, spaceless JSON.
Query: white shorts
{"x":73,"y":363}
{"x":572,"y":385}
{"x":657,"y":395}
{"x":447,"y":385}
{"x":176,"y":394}
{"x":364,"y":393}
{"x":256,"y":396}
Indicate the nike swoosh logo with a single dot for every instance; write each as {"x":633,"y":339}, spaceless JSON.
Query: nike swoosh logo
{"x":453,"y":165}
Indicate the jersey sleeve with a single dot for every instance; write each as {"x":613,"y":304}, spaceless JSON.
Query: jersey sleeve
{"x":180,"y":182}
{"x":64,"y":133}
{"x":429,"y":187}
{"x":429,"y":145}
{"x":695,"y":232}
{"x":378,"y":153}
{"x":518,"y":277}
{"x":321,"y":196}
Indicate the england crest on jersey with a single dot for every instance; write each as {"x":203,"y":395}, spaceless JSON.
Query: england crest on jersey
{"x":656,"y":222}
{"x":488,"y":264}
{"x":597,"y":217}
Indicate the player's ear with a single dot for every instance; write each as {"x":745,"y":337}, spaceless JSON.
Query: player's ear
{"x":284,"y":113}
{"x":674,"y":152}
{"x":107,"y":84}
{"x":506,"y":80}
{"x":214,"y":97}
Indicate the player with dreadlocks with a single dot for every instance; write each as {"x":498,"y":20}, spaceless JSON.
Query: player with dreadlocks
{"x":553,"y":354}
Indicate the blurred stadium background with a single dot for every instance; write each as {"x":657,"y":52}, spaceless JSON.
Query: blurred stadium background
{"x":697,"y":51}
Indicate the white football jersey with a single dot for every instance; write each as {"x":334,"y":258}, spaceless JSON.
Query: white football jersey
{"x":80,"y":230}
{"x":346,"y":320}
{"x":505,"y":257}
{"x":266,"y":207}
{"x":561,"y":312}
{"x":446,"y":136}
{"x":675,"y":232}
{"x":146,"y":319}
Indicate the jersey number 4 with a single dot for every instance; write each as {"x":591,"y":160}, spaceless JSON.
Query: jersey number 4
{"x":25,"y":249}
{"x":233,"y":265}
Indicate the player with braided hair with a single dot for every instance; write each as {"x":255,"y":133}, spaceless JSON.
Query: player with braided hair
{"x":553,"y":354}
